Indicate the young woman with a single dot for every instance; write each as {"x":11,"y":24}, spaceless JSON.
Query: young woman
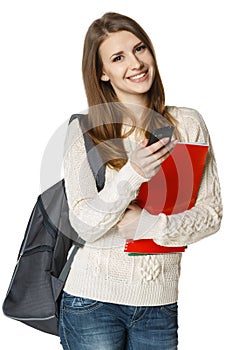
{"x":112,"y":300}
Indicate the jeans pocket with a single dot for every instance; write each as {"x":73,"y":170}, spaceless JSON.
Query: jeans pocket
{"x":170,"y":309}
{"x":73,"y":303}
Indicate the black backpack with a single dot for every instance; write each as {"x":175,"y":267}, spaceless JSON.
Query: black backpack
{"x":33,"y":296}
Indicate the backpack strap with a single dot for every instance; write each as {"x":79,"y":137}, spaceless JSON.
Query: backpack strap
{"x":98,"y":169}
{"x":66,"y":268}
{"x":94,"y":159}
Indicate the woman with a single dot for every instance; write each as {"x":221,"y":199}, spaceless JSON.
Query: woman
{"x":112,"y":300}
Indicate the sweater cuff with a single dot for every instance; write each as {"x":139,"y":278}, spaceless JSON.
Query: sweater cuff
{"x":127,"y":173}
{"x":146,"y":224}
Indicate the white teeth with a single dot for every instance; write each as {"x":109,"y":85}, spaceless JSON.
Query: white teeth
{"x":138,"y":76}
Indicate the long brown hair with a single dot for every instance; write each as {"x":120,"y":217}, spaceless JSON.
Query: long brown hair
{"x":105,"y":111}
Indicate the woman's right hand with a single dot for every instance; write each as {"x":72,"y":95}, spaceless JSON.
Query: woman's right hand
{"x":146,"y":161}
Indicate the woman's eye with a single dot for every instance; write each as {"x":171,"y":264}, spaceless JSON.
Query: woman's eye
{"x":140,"y":48}
{"x":117,"y":58}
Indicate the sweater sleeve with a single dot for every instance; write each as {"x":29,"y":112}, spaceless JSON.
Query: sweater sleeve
{"x":93,"y":213}
{"x":198,"y":222}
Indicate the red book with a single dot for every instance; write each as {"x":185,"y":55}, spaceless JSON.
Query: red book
{"x":172,"y":190}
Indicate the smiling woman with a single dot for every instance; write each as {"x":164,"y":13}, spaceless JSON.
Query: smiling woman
{"x":131,"y":69}
{"x":111,"y":300}
{"x":119,"y":65}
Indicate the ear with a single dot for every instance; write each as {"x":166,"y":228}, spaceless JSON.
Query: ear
{"x":104,"y":77}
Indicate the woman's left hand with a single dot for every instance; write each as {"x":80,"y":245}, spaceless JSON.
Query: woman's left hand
{"x":128,"y":225}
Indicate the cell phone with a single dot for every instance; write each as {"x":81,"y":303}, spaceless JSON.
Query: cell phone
{"x":158,"y":134}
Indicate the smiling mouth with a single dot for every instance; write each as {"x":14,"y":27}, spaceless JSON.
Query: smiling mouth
{"x":138,"y":76}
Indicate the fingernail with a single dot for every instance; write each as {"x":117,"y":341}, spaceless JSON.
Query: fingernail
{"x":144,"y":142}
{"x":165,"y":139}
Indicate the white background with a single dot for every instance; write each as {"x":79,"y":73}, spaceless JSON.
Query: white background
{"x":41,"y":86}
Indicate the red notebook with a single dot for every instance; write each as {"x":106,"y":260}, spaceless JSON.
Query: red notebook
{"x":172,"y":190}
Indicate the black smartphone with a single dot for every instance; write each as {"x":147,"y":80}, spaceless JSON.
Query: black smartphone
{"x":158,"y":134}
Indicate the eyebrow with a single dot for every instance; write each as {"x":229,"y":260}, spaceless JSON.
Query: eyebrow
{"x":120,"y":52}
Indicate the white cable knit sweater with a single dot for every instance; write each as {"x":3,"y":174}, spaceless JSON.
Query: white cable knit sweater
{"x":101,"y":270}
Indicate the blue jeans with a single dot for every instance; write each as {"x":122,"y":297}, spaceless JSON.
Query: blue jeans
{"x":87,"y":324}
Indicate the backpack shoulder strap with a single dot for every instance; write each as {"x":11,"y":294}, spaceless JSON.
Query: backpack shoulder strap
{"x":98,"y":169}
{"x":66,"y":268}
{"x":75,"y":116}
{"x":94,"y":159}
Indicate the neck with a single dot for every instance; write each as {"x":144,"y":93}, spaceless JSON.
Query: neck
{"x":137,"y":99}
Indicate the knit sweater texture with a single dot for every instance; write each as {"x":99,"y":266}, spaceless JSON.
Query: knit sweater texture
{"x":101,"y":270}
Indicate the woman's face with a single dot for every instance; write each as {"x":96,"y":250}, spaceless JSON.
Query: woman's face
{"x":128,"y":65}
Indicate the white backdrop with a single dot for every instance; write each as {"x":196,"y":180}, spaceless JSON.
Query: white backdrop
{"x":41,"y":86}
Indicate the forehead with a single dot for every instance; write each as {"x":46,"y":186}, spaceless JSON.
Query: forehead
{"x":118,"y":41}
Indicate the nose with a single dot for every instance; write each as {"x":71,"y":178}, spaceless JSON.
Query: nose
{"x":134,"y":62}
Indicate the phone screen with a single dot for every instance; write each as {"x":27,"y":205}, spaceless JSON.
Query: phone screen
{"x":158,"y":134}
